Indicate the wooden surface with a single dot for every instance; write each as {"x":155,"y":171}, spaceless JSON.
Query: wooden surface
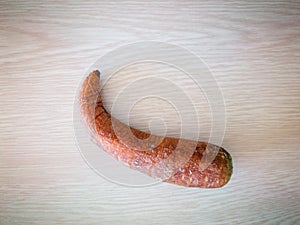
{"x":253,"y":50}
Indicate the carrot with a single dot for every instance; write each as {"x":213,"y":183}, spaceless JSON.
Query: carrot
{"x":173,"y":160}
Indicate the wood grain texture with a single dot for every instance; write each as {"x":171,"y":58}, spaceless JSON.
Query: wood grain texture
{"x":253,"y":50}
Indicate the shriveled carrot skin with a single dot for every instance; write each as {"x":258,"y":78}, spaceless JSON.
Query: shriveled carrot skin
{"x":143,"y":156}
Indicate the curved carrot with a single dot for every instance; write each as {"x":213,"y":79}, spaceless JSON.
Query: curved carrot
{"x":162,"y":157}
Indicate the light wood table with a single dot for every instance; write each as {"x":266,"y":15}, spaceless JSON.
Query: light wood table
{"x":251,"y":48}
